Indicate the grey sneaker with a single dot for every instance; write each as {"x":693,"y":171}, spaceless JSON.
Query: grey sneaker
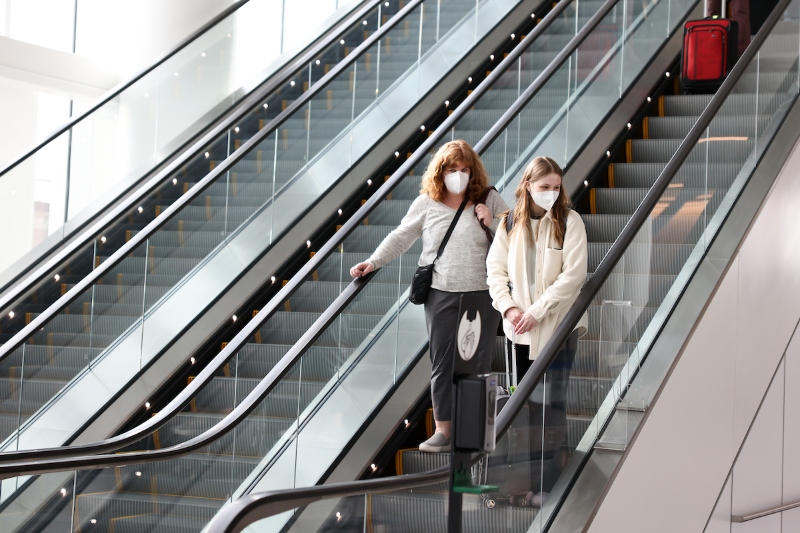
{"x":437,"y":443}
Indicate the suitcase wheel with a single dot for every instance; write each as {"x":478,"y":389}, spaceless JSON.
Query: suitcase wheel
{"x":518,"y":501}
{"x":489,"y":503}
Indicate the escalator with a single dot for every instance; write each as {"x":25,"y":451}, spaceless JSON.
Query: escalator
{"x":364,"y":353}
{"x":215,"y":227}
{"x":650,"y":219}
{"x":105,"y":316}
{"x":33,"y":295}
{"x":196,"y":110}
{"x":629,"y":305}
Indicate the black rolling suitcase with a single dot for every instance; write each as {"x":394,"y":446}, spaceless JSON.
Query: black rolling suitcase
{"x":524,"y":458}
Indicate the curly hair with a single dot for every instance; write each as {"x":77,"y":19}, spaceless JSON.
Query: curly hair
{"x":447,"y":155}
{"x":523,"y":210}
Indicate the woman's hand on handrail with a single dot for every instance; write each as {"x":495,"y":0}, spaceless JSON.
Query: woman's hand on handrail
{"x":362,"y":269}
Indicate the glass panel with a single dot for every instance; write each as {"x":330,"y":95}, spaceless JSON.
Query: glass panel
{"x":122,"y":141}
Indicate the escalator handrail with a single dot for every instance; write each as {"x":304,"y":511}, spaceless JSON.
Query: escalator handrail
{"x":258,"y":506}
{"x":221,"y":428}
{"x":17,"y":285}
{"x":122,"y":253}
{"x":35,"y":458}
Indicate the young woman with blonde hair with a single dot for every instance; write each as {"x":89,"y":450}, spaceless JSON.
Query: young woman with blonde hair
{"x":535,"y":273}
{"x":455,"y":175}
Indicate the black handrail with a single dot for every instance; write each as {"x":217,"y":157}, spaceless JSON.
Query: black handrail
{"x":239,"y":514}
{"x":276,"y":303}
{"x":44,"y":270}
{"x":250,"y":402}
{"x":118,"y":256}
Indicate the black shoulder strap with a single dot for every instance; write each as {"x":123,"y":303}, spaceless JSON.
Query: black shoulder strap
{"x":451,"y":228}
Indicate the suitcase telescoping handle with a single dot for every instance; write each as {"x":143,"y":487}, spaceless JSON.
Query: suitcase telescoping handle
{"x":512,"y":377}
{"x":723,"y":4}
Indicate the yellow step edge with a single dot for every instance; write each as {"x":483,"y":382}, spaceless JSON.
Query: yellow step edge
{"x":193,"y":403}
{"x":593,"y":201}
{"x":611,"y":175}
{"x":661,"y":106}
{"x":646,"y":127}
{"x":629,"y":150}
{"x":118,"y":477}
{"x":368,"y":511}
{"x":398,"y":460}
{"x":152,"y":259}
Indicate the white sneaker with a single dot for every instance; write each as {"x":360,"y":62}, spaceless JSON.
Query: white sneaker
{"x":436,"y":444}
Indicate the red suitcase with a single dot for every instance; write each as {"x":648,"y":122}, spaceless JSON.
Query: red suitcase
{"x":709,"y":53}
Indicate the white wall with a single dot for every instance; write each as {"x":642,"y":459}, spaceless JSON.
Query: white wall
{"x":767,"y":471}
{"x":127,"y":36}
{"x":129,"y":135}
{"x":678,"y":465}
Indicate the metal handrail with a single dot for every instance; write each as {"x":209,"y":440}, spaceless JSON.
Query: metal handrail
{"x":118,"y":256}
{"x":259,"y":506}
{"x":229,"y":422}
{"x":738,"y":519}
{"x":276,"y":303}
{"x":43,"y":271}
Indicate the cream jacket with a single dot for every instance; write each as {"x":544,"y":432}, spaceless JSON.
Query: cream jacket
{"x":560,"y":275}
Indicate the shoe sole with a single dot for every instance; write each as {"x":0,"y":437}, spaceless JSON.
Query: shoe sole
{"x":433,"y":449}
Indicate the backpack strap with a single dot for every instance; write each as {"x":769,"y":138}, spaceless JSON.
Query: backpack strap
{"x":510,"y":225}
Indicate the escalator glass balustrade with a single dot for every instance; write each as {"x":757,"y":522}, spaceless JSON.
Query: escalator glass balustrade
{"x":125,"y":137}
{"x":111,"y":330}
{"x":536,"y":459}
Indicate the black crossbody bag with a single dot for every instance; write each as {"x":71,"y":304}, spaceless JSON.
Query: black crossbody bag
{"x":423,"y":277}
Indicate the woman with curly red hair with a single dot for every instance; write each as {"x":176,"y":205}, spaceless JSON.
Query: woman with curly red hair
{"x":455,"y":175}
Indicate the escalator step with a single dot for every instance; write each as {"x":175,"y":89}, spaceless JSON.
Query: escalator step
{"x":717,"y":150}
{"x":693,"y":175}
{"x":422,"y":512}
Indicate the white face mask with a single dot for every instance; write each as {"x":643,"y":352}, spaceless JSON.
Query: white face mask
{"x":456,"y":182}
{"x":545,"y":199}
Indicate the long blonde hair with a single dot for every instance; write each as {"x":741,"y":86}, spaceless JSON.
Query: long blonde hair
{"x":523,"y":210}
{"x":447,"y":155}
